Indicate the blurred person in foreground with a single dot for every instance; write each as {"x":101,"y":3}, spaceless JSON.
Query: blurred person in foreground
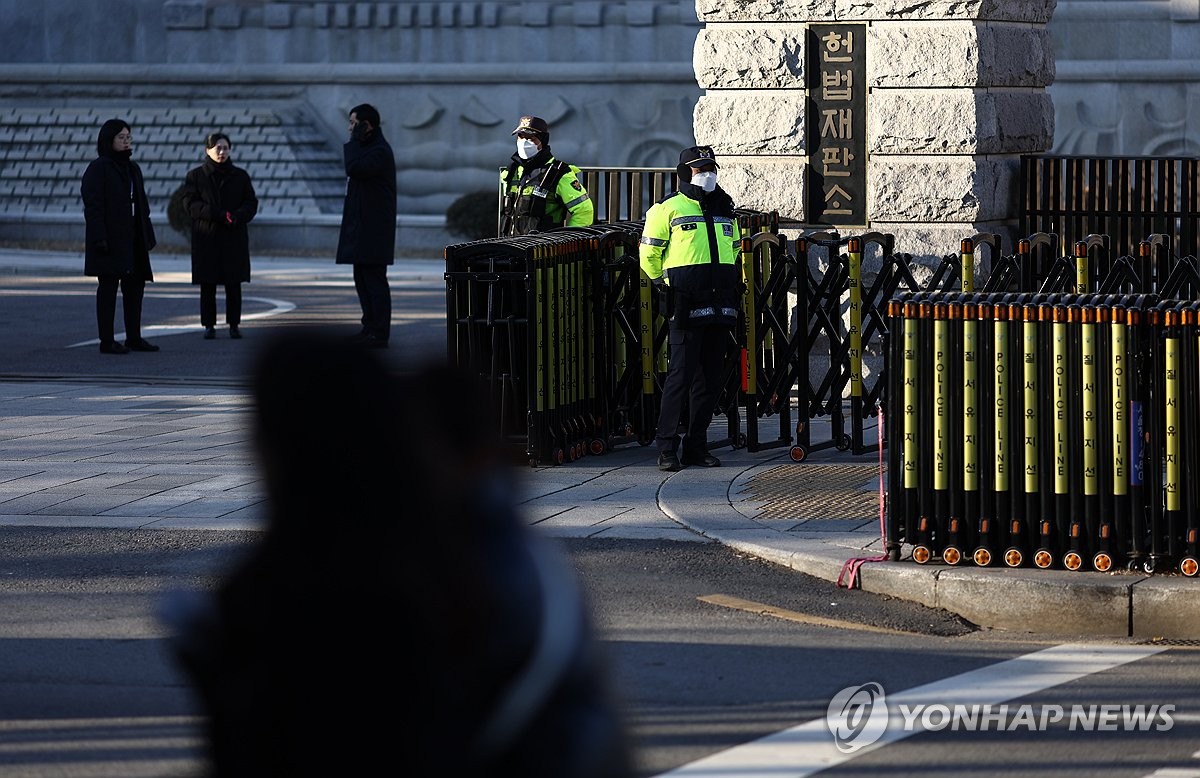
{"x":397,"y":609}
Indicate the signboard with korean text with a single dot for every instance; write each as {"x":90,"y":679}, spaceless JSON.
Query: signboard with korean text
{"x":836,"y":79}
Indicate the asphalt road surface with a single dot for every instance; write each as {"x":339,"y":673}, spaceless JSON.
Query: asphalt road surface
{"x":48,"y":321}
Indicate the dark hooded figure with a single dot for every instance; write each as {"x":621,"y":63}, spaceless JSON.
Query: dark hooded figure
{"x":396,"y":610}
{"x":118,"y":236}
{"x":220,"y":200}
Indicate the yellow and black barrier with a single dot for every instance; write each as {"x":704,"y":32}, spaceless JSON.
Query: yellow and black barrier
{"x":527,"y":315}
{"x":569,"y":339}
{"x":840,"y":320}
{"x":1045,"y":430}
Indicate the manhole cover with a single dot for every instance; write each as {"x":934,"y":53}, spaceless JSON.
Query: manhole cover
{"x":812,"y":491}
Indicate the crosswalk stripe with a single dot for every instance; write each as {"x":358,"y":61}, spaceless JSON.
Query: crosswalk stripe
{"x":809,"y":748}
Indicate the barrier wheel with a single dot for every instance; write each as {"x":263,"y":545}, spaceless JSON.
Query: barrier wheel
{"x":1013,"y":557}
{"x":893,"y":554}
{"x":1148,"y":565}
{"x":1043,"y":558}
{"x":798,"y":453}
{"x":982,"y":557}
{"x":597,"y":447}
{"x":922,"y":554}
{"x":1189,"y":566}
{"x":1102,"y":562}
{"x":1072,"y":560}
{"x":558,"y":456}
{"x":741,"y":440}
{"x":951,"y":555}
{"x":843,"y":443}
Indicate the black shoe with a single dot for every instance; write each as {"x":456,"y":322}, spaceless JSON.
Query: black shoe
{"x":210,"y":333}
{"x":702,"y":460}
{"x":140,"y":344}
{"x":668,"y":462}
{"x":373,"y":341}
{"x":358,"y":337}
{"x":234,"y":332}
{"x":113,"y":347}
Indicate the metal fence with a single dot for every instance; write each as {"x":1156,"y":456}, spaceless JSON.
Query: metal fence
{"x":1125,"y":198}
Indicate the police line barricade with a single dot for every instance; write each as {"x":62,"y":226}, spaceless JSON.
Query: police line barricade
{"x":1038,"y":265}
{"x":613,"y":306}
{"x":516,"y":319}
{"x":840,"y":319}
{"x":767,"y":345}
{"x":746,"y":362}
{"x":1045,"y":430}
{"x":569,"y":338}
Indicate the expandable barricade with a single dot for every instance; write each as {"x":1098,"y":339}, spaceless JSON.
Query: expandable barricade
{"x":1048,"y":430}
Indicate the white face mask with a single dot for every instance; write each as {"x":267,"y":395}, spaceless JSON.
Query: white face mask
{"x":526,"y":148}
{"x":706,"y":181}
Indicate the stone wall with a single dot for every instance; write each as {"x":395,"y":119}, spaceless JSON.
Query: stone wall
{"x":450,"y":78}
{"x":957,"y":94}
{"x":959,"y":87}
{"x":1128,"y":77}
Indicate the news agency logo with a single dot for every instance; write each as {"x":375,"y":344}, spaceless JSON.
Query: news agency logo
{"x":858,"y":716}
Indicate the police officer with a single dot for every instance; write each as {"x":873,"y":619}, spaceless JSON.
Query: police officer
{"x":690,"y":241}
{"x":540,"y":192}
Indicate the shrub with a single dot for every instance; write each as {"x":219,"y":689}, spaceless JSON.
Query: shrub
{"x":473,"y":215}
{"x":177,"y":216}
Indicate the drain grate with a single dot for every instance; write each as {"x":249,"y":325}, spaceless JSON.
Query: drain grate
{"x":1173,"y":642}
{"x":812,"y":491}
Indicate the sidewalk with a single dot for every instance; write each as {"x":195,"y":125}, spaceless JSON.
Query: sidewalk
{"x":98,"y":454}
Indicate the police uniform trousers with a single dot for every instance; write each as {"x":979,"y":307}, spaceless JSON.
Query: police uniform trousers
{"x":694,"y":364}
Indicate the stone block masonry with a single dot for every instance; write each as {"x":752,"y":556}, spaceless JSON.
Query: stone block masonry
{"x":956,"y":93}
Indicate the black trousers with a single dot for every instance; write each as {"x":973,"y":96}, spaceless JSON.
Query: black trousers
{"x":375,"y":298}
{"x":208,"y":304}
{"x":694,"y":365}
{"x":132,"y":291}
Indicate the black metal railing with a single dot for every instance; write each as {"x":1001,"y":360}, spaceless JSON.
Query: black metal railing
{"x":1126,"y":198}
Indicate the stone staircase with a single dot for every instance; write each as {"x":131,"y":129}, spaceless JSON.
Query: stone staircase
{"x":296,"y":168}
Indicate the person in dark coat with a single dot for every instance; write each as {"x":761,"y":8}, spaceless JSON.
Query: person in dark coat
{"x":118,"y":236}
{"x":368,"y":236}
{"x":220,"y":200}
{"x":351,"y":635}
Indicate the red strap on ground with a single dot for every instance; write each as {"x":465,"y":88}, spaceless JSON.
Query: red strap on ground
{"x":850,"y":568}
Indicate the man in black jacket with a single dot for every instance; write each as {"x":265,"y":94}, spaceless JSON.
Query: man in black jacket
{"x":368,"y":236}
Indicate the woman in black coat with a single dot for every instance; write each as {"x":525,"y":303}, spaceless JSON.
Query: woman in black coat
{"x":118,"y":236}
{"x":220,"y":200}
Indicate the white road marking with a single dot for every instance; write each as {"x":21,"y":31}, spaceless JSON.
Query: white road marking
{"x":162,"y":330}
{"x":809,"y":748}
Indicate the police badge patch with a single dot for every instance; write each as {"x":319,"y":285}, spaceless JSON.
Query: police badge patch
{"x":577,"y":186}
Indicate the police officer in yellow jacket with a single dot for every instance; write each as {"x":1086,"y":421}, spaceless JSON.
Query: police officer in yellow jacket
{"x":540,"y":192}
{"x":691,"y":239}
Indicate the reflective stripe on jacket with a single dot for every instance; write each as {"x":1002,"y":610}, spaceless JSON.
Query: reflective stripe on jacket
{"x":697,"y":252}
{"x":567,"y":205}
